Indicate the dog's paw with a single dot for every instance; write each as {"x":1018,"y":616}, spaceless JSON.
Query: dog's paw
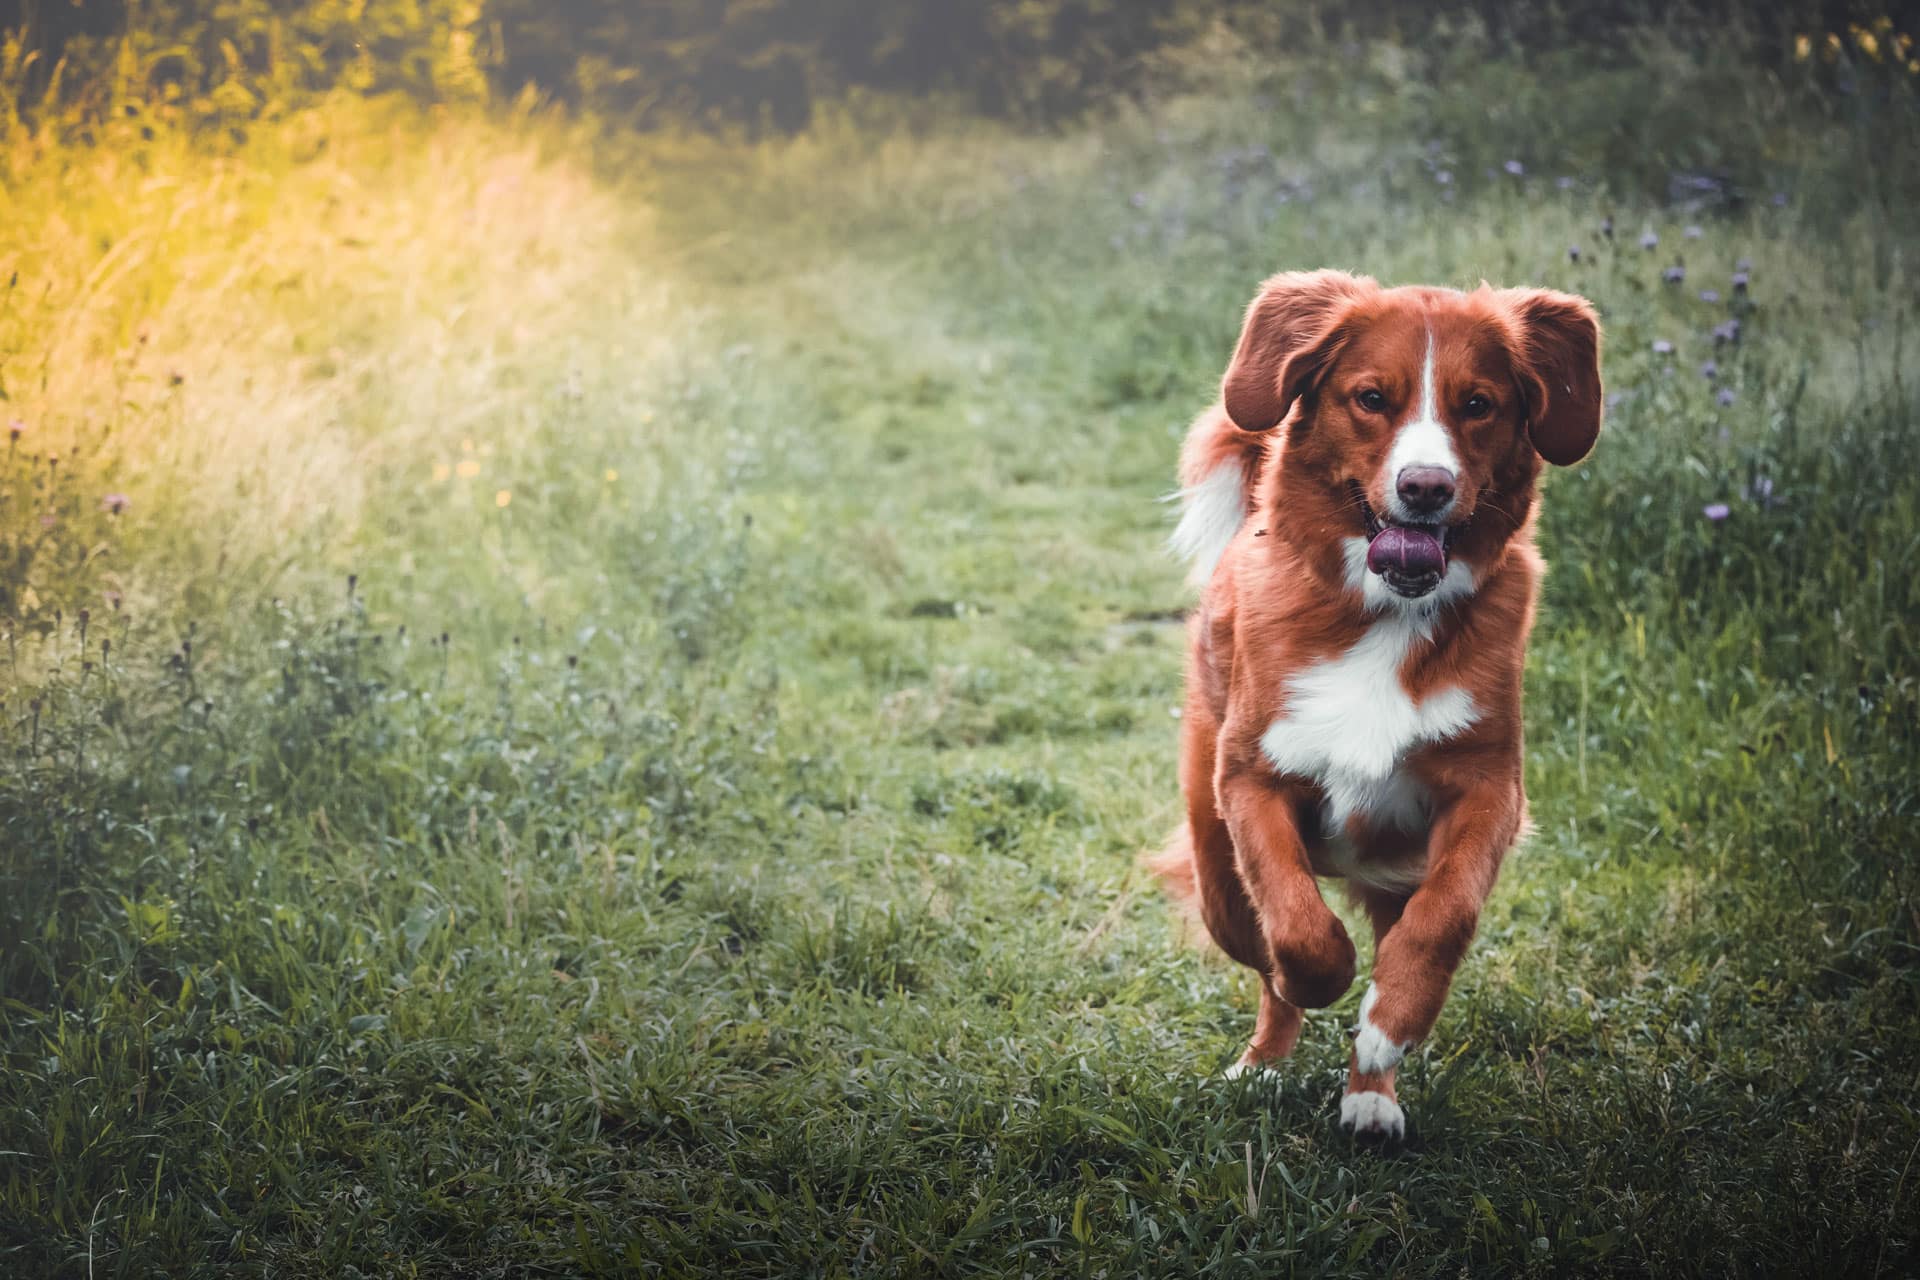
{"x":1263,"y":1072}
{"x":1373,"y":1116}
{"x":1373,"y":1049}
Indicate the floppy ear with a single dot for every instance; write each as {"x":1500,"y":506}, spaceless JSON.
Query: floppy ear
{"x":1558,"y":365}
{"x":1291,"y":332}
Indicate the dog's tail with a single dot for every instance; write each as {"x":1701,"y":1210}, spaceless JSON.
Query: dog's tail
{"x":1219,"y":465}
{"x":1173,"y":867}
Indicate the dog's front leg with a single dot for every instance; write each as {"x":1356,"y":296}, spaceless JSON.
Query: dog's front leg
{"x":1415,"y":960}
{"x":1312,"y":955}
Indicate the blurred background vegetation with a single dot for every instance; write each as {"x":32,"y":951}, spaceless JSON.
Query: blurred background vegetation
{"x":767,"y":63}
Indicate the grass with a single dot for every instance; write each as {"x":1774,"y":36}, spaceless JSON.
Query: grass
{"x":612,"y":729}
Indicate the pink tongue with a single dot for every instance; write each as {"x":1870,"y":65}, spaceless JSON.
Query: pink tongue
{"x":1409,"y":552}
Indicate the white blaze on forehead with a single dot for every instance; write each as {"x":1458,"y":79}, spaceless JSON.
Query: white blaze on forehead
{"x":1423,"y":441}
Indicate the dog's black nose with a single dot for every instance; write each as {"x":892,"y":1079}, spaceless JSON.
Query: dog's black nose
{"x":1425,"y":489}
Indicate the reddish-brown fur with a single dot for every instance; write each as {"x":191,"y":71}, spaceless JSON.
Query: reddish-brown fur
{"x":1280,"y":600}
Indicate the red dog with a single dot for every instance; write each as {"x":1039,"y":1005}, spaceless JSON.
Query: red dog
{"x":1353,"y":686}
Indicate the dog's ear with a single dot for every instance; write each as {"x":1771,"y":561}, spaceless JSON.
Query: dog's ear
{"x":1557,"y":364}
{"x":1290,"y":335}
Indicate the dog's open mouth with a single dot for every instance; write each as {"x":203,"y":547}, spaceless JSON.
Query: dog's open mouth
{"x":1410,"y":558}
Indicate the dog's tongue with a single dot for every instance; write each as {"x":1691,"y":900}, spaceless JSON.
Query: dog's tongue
{"x":1412,"y":553}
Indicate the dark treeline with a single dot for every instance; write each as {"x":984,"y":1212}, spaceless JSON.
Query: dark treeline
{"x":763,"y":62}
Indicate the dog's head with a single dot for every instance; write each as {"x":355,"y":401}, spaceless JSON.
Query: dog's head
{"x":1417,"y":416}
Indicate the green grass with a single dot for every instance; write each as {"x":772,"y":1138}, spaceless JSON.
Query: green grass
{"x":720,"y":859}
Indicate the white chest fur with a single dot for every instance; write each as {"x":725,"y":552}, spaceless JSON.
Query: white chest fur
{"x":1348,"y":724}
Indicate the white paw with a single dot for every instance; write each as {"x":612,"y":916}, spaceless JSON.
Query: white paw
{"x":1259,"y":1070}
{"x":1373,"y":1115}
{"x":1373,"y":1049}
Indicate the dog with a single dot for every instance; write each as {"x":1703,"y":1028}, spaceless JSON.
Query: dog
{"x":1358,"y":509}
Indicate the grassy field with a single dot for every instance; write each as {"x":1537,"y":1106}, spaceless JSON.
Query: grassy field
{"x":587,"y":705}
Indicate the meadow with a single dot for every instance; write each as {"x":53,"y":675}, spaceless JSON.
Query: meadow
{"x":579,"y":703}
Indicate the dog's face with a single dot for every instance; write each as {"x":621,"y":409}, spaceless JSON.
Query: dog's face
{"x":1422,"y":414}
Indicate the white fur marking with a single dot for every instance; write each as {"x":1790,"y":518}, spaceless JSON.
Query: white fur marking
{"x":1211,"y":513}
{"x":1373,"y":1049}
{"x":1422,"y":442}
{"x":1371,"y":1114}
{"x":1347,"y":725}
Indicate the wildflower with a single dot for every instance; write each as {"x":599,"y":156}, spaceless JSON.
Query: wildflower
{"x":502,"y":497}
{"x":1693,"y":232}
{"x":612,"y":475}
{"x":1779,"y":199}
{"x":1563,"y":183}
{"x":1443,"y":176}
{"x":1514,"y":167}
{"x":1728,"y":331}
{"x":1725,"y":397}
{"x":1709,"y":370}
{"x":1716,"y":511}
{"x":1709,"y":295}
{"x":441,"y":471}
{"x":1802,"y":48}
{"x":1761,"y":491}
{"x":114,"y":503}
{"x":1606,"y":226}
{"x":1739,"y":282}
{"x":467,"y":469}
{"x":48,"y":520}
{"x":1649,"y":241}
{"x":1674,"y":274}
{"x":1573,"y":253}
{"x":15,"y":430}
{"x":1661,"y":347}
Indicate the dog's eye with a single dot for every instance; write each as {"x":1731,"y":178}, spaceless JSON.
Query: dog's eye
{"x":1479,"y":406}
{"x":1372,"y":401}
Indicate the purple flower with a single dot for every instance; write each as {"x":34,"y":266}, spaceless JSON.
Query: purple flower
{"x":1709,"y":370}
{"x":1725,"y":397}
{"x":1761,"y":490}
{"x":1739,"y":282}
{"x":1443,"y":176}
{"x":1564,"y":183}
{"x":1693,"y":233}
{"x":1674,"y":274}
{"x":1514,"y":167}
{"x":1716,"y":511}
{"x":15,"y":430}
{"x":1779,"y":199}
{"x":1606,"y":226}
{"x":1649,"y":241}
{"x":1573,"y":253}
{"x":1661,"y":347}
{"x":115,"y":503}
{"x":1726,"y":331}
{"x":1709,"y":295}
